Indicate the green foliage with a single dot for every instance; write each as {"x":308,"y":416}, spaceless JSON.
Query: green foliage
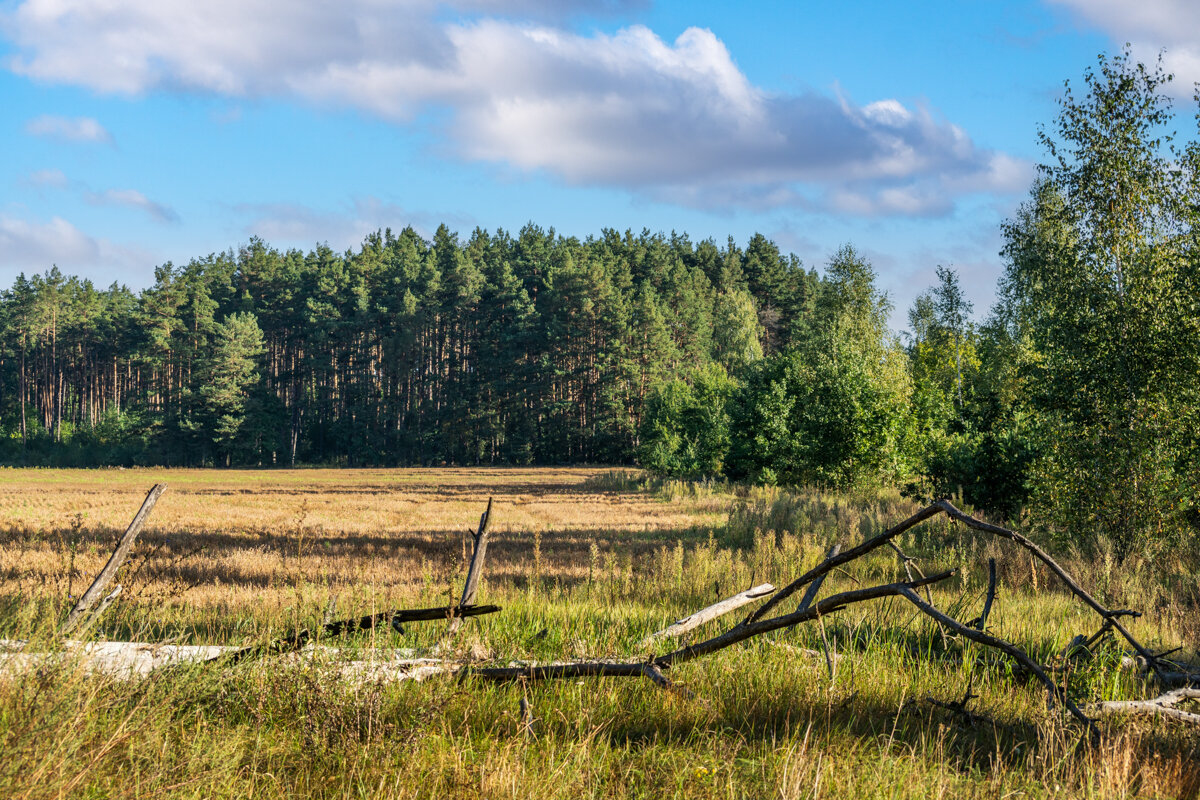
{"x":820,"y":417}
{"x":1103,"y":279}
{"x":226,"y":377}
{"x":834,"y":410}
{"x":492,"y":348}
{"x":735,"y":330}
{"x":685,"y":429}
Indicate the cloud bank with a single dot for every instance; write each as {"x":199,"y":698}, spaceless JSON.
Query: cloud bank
{"x":33,"y":246}
{"x":672,"y":121}
{"x":1151,"y":26}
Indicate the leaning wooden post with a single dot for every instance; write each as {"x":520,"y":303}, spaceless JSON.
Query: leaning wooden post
{"x":94,"y":593}
{"x":476,"y":569}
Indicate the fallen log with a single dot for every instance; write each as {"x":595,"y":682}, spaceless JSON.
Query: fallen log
{"x":1163,"y":705}
{"x":297,"y":639}
{"x":739,"y":633}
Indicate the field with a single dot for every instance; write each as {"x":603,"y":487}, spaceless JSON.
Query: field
{"x":585,"y":563}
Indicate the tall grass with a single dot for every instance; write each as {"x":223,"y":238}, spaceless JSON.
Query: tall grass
{"x":770,"y":721}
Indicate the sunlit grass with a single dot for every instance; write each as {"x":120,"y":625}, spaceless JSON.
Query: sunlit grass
{"x":585,"y":564}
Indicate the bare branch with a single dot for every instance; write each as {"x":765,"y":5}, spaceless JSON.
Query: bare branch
{"x":829,"y":564}
{"x":1076,"y":589}
{"x":297,"y":639}
{"x":1012,"y":651}
{"x":739,"y":633}
{"x":115,"y":561}
{"x":811,"y":593}
{"x":709,"y":613}
{"x":471,"y":586}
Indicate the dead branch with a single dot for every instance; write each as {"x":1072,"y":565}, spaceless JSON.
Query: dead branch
{"x":980,"y":622}
{"x":1053,"y":691}
{"x":471,"y":586}
{"x":836,"y":560}
{"x":811,"y":593}
{"x":709,"y":613}
{"x":94,"y":593}
{"x":739,"y":633}
{"x":1163,"y":705}
{"x":297,"y":639}
{"x":1106,"y":614}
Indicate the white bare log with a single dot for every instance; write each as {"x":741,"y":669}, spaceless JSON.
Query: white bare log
{"x":1163,"y":705}
{"x":693,"y":621}
{"x":140,"y":659}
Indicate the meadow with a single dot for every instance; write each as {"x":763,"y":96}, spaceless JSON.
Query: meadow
{"x":585,"y":563}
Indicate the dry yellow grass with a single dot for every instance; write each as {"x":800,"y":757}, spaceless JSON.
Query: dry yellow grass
{"x":396,"y":535}
{"x":584,"y":565}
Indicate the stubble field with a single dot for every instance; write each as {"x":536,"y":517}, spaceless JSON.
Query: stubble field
{"x":585,"y":563}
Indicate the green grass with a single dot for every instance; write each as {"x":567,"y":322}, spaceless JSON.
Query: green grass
{"x":768,"y":720}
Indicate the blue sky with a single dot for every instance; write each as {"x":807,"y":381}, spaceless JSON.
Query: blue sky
{"x":141,"y":131}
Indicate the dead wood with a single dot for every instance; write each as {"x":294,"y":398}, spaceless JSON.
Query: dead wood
{"x":811,"y":593}
{"x":471,"y":586}
{"x":1163,"y":705}
{"x":1053,"y":691}
{"x":836,"y":560}
{"x":739,"y":633}
{"x":709,"y":613}
{"x":1108,"y":615}
{"x":980,"y":622}
{"x":95,"y":592}
{"x":297,"y":639}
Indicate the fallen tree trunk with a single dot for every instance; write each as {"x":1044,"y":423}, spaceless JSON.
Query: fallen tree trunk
{"x":297,"y":639}
{"x":738,"y":633}
{"x":1163,"y":705}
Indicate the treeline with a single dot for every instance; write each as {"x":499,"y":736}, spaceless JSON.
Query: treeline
{"x":536,"y":348}
{"x":1075,"y":402}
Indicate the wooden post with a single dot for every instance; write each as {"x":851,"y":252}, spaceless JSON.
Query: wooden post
{"x":94,"y":593}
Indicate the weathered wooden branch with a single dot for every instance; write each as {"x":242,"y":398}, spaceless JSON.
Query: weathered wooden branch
{"x":836,"y":560}
{"x":1053,"y":691}
{"x":297,"y":639}
{"x":475,"y":571}
{"x":739,"y":633}
{"x":96,"y":591}
{"x":1106,"y":614}
{"x":947,"y":508}
{"x":980,"y":622}
{"x":709,"y":613}
{"x":811,"y":593}
{"x":1163,"y":705}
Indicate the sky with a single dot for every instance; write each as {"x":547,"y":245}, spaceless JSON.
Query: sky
{"x":137,"y":132}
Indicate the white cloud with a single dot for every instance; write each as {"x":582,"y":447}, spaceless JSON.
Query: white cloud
{"x":1151,"y":26}
{"x":675,"y":121}
{"x":30,"y":246}
{"x":131,"y":198}
{"x":294,"y":225}
{"x":50,"y":178}
{"x":67,"y":129}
